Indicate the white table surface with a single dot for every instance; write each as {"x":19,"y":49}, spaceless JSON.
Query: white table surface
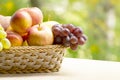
{"x":75,"y":69}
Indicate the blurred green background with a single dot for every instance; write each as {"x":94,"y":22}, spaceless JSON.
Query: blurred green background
{"x":99,"y":19}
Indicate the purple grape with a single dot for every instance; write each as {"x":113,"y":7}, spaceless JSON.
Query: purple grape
{"x":81,"y":41}
{"x":74,"y":46}
{"x":78,"y":32}
{"x":84,"y":37}
{"x":56,"y":30}
{"x":73,"y":39}
{"x":66,"y":41}
{"x":58,"y":40}
{"x":69,"y":26}
{"x":71,"y":34}
{"x":68,"y":35}
{"x":65,"y":32}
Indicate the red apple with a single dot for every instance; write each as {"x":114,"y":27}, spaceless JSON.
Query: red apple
{"x":35,"y":13}
{"x":14,"y":38}
{"x":40,"y":35}
{"x":21,"y":21}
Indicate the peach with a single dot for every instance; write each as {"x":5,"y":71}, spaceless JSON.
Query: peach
{"x":21,"y":21}
{"x":35,"y":13}
{"x":14,"y":38}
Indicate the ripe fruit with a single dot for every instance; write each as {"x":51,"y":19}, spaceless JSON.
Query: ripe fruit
{"x":58,"y":40}
{"x":66,"y":32}
{"x":68,"y":35}
{"x":66,"y":41}
{"x":21,"y":21}
{"x":56,"y":31}
{"x":1,"y":46}
{"x":6,"y":43}
{"x":77,"y":32}
{"x":40,"y":35}
{"x":25,"y":18}
{"x":73,"y":39}
{"x":50,"y":24}
{"x":14,"y":38}
{"x":81,"y":40}
{"x":2,"y":34}
{"x":71,"y":27}
{"x":35,"y":13}
{"x":73,"y":46}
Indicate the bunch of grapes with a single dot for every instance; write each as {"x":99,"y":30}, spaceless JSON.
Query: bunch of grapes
{"x":4,"y":42}
{"x":68,"y":35}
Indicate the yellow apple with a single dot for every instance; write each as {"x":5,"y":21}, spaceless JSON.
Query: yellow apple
{"x":39,"y":36}
{"x":49,"y":23}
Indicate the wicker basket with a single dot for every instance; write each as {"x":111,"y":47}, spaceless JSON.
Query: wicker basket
{"x":30,"y":59}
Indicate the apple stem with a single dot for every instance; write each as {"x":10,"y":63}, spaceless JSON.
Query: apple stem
{"x":39,"y":28}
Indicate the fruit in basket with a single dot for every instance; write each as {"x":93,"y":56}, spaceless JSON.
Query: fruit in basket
{"x":71,"y":27}
{"x":24,"y":18}
{"x":1,"y":46}
{"x":5,"y":21}
{"x":68,"y":35}
{"x":6,"y":43}
{"x":14,"y":38}
{"x":40,"y":35}
{"x":3,"y":34}
{"x":21,"y":21}
{"x":49,"y":23}
{"x":35,"y":13}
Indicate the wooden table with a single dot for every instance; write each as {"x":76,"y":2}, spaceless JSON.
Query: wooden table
{"x":75,"y":69}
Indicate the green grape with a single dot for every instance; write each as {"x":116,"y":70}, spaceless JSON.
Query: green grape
{"x":6,"y":43}
{"x":1,"y":28}
{"x":3,"y":34}
{"x":1,"y":46}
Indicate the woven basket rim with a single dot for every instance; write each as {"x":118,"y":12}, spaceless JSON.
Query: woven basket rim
{"x":45,"y":46}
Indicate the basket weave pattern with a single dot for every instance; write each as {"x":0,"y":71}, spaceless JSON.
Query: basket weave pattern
{"x":28,"y":59}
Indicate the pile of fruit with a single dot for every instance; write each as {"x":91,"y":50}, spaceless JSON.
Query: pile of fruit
{"x":26,"y":28}
{"x":4,"y":42}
